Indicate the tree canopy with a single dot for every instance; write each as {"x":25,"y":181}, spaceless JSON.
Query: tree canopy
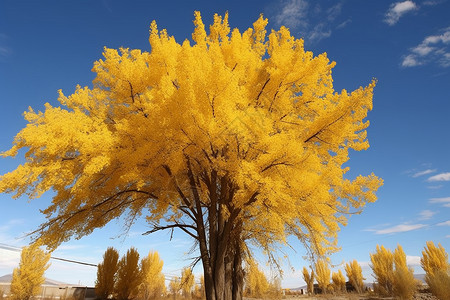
{"x":106,"y":274}
{"x":29,"y":276}
{"x":235,"y":137}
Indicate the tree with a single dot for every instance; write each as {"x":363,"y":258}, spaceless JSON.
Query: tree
{"x":309,"y":279}
{"x":338,"y":281}
{"x":275,"y":291}
{"x":437,"y":269}
{"x":405,"y":284}
{"x":323,"y":274}
{"x":129,"y":276}
{"x":153,"y":280}
{"x":29,"y":276}
{"x":237,"y":138}
{"x":106,"y":274}
{"x":354,"y":275}
{"x":199,"y":289}
{"x":383,"y":268}
{"x":256,"y":282}
{"x":187,"y":282}
{"x":174,"y":286}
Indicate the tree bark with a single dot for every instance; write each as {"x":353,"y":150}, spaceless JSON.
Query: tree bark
{"x":238,"y":275}
{"x":219,"y":238}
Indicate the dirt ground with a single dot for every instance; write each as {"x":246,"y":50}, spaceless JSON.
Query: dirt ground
{"x":417,"y":296}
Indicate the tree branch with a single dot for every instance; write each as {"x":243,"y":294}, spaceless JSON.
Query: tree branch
{"x":183,"y":227}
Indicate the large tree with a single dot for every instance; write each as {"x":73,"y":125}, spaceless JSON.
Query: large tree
{"x":29,"y":276}
{"x":106,"y":274}
{"x":235,"y":138}
{"x":129,"y":276}
{"x":153,"y":280}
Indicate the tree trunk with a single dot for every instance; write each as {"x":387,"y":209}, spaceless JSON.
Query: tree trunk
{"x":219,"y":241}
{"x":226,"y":282}
{"x":229,"y":278}
{"x":238,"y":275}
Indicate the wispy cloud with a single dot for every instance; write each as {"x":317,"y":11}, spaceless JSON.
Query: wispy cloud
{"x":293,"y":14}
{"x":435,"y":187}
{"x":425,"y":172}
{"x":314,"y":22}
{"x":397,"y":10}
{"x":5,"y":51}
{"x":446,"y":223}
{"x":426,"y":214}
{"x":412,"y":260}
{"x":445,"y":201}
{"x":440,"y":177}
{"x":432,"y":48}
{"x":343,"y":24}
{"x":432,"y":3}
{"x":400,"y":228}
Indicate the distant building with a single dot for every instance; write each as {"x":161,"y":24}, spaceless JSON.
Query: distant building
{"x":53,"y":289}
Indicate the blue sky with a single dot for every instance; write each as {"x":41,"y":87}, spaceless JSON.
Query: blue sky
{"x":51,"y":45}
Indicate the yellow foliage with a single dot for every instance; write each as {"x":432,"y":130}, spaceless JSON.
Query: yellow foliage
{"x":129,"y":276}
{"x":187,"y":282}
{"x":174,"y":286}
{"x":354,"y":275}
{"x":323,"y":275}
{"x":29,"y":276}
{"x":437,"y":268}
{"x":250,"y":112}
{"x":338,"y":282}
{"x":256,"y":284}
{"x":383,"y":268}
{"x":153,"y":281}
{"x":434,"y":259}
{"x":405,"y":285}
{"x":106,"y":274}
{"x":309,"y":279}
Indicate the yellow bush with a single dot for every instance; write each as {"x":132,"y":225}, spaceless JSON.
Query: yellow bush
{"x":435,"y":263}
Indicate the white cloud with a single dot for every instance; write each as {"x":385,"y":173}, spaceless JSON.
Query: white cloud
{"x":397,"y":10}
{"x":334,"y":11}
{"x":421,"y":173}
{"x":312,"y":21}
{"x":431,"y":3}
{"x":364,"y":264}
{"x":432,"y":48}
{"x":5,"y":51}
{"x":412,"y":260}
{"x":400,"y":228}
{"x":446,"y":223}
{"x":319,"y":32}
{"x":440,"y":177}
{"x":435,"y":187}
{"x":445,"y":201}
{"x":8,"y":260}
{"x":422,"y":50}
{"x":445,"y":60}
{"x":343,"y":24}
{"x":293,"y":14}
{"x":426,"y":214}
{"x":410,"y":61}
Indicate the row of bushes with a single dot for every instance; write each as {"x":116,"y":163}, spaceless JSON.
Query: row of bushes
{"x":392,"y":275}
